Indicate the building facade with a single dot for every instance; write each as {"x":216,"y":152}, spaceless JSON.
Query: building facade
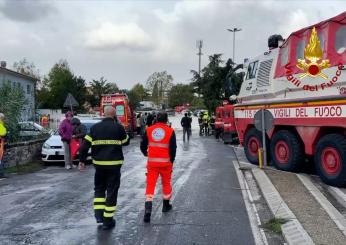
{"x":27,"y":83}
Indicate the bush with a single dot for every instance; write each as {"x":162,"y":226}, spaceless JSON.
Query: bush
{"x":12,"y":101}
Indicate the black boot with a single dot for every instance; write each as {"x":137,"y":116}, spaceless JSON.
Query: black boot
{"x":147,"y":212}
{"x":108,"y":223}
{"x":166,"y":207}
{"x":99,"y":215}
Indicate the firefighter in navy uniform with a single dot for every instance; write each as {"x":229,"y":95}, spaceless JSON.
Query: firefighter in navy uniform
{"x":106,"y":139}
{"x":159,"y":145}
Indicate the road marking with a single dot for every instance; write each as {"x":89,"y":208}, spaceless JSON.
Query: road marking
{"x":293,"y":231}
{"x":333,"y":213}
{"x":338,"y":194}
{"x":254,"y":218}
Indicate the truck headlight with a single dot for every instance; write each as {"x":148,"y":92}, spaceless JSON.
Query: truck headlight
{"x":46,"y":146}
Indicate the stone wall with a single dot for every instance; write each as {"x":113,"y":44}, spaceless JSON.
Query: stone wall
{"x":22,"y":152}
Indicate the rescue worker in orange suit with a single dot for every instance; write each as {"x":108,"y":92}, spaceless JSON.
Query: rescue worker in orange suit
{"x":159,"y":145}
{"x":106,"y":139}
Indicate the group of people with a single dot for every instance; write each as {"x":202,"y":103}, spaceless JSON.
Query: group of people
{"x":206,"y":123}
{"x":106,"y":140}
{"x":71,"y":131}
{"x":144,"y":120}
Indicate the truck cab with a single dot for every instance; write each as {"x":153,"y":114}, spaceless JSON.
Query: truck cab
{"x":229,"y":132}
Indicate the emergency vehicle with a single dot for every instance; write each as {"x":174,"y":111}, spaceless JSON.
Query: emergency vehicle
{"x":125,"y":114}
{"x":225,"y":122}
{"x":302,"y":82}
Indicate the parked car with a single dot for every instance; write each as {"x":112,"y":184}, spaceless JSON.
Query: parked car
{"x":53,"y":148}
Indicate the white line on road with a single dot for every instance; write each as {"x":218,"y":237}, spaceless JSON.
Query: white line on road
{"x":254,"y":218}
{"x":338,"y":194}
{"x":333,"y":213}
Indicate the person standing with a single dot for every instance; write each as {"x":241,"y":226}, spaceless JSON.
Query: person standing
{"x":200,"y":123}
{"x":106,"y":139}
{"x":138,"y":123}
{"x":150,"y":119}
{"x":186,"y":124}
{"x":3,"y":133}
{"x":159,"y":145}
{"x":143,"y":123}
{"x":65,"y":132}
{"x":78,"y":134}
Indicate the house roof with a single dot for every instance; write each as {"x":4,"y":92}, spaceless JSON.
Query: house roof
{"x":14,"y":73}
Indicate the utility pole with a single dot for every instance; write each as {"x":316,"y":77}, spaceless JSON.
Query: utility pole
{"x":199,"y":45}
{"x":234,"y":30}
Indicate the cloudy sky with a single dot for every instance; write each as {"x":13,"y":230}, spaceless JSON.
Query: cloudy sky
{"x":126,"y":41}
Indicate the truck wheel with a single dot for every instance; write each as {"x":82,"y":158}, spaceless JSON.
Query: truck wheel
{"x":252,"y":142}
{"x":287,"y":151}
{"x":330,"y":159}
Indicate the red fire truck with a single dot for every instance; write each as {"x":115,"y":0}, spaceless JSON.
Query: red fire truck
{"x":302,"y":82}
{"x":224,"y":122}
{"x":125,"y":114}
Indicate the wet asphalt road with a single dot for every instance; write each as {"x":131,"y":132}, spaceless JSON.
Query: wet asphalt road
{"x":54,"y":206}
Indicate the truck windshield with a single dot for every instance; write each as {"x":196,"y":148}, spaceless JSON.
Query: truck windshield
{"x":120,"y":110}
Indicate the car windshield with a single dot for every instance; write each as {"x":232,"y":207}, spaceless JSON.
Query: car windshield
{"x":88,"y":125}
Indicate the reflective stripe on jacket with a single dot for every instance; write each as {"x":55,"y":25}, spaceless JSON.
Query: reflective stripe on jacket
{"x":106,"y":139}
{"x":3,"y":130}
{"x":159,"y":136}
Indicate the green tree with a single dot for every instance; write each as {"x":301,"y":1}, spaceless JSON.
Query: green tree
{"x":180,"y":94}
{"x":12,"y":101}
{"x":217,"y":81}
{"x":159,"y":84}
{"x":58,"y":83}
{"x":136,"y":95}
{"x":98,"y":88}
{"x":27,"y":68}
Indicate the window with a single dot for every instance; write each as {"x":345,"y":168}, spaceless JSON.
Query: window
{"x":28,"y":89}
{"x":322,"y":40}
{"x":340,"y":40}
{"x":300,"y":49}
{"x":252,"y":70}
{"x":284,"y":55}
{"x":120,"y":110}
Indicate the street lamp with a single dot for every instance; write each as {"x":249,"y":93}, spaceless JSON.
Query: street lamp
{"x":234,"y":30}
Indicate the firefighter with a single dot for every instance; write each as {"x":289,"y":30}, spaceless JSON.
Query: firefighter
{"x":106,"y":139}
{"x":159,"y":145}
{"x":3,"y":133}
{"x":206,"y":121}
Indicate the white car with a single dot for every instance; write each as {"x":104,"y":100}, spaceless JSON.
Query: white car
{"x":53,"y":148}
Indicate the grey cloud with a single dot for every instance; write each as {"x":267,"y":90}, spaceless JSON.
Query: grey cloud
{"x":26,"y":10}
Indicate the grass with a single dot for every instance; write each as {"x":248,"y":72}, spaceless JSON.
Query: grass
{"x":274,"y":225}
{"x":26,"y":168}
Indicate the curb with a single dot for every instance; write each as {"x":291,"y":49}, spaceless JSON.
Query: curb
{"x":254,"y":219}
{"x":333,"y":213}
{"x":293,"y":231}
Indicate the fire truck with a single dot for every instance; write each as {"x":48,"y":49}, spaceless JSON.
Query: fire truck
{"x":301,"y":81}
{"x":224,"y":122}
{"x":126,"y":116}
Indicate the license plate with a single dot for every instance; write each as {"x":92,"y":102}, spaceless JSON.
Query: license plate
{"x":57,"y":153}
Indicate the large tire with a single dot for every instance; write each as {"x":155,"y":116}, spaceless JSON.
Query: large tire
{"x":287,"y":151}
{"x":252,"y":142}
{"x":330,"y":159}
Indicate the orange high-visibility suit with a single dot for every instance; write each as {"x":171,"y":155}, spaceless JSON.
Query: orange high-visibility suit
{"x":159,"y":144}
